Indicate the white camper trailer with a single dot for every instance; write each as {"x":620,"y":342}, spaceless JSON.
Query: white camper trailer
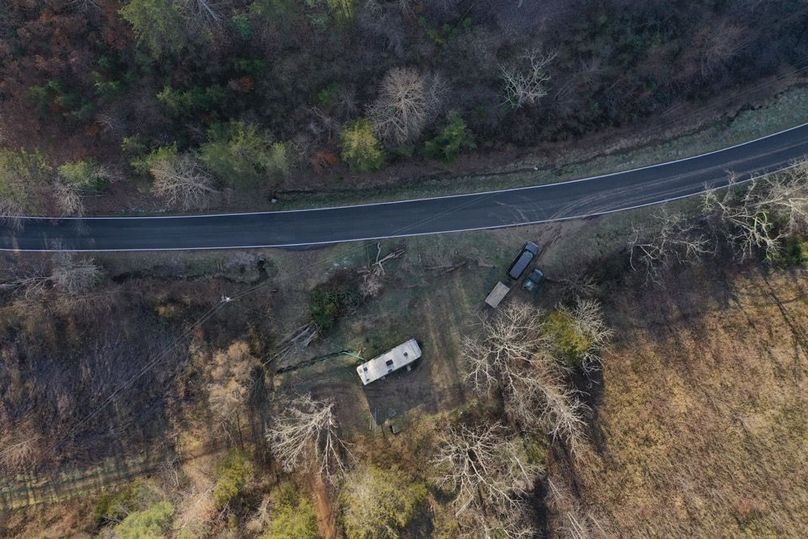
{"x":379,"y":367}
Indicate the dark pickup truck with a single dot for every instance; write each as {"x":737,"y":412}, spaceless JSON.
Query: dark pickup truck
{"x":534,"y":280}
{"x":529,"y":253}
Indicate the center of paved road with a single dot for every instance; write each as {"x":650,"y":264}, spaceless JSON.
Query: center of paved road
{"x":497,"y":209}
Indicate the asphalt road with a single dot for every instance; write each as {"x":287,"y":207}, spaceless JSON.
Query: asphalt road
{"x":497,"y":209}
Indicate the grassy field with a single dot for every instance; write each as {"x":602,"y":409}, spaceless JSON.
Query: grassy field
{"x":704,"y":430}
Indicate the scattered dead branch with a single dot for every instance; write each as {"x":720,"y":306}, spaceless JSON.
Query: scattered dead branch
{"x":300,"y":339}
{"x":569,"y":518}
{"x":448,"y":268}
{"x":373,"y":275}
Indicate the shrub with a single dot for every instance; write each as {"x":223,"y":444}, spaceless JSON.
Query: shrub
{"x":133,"y":145}
{"x":242,"y":26}
{"x":139,"y":508}
{"x":145,"y":163}
{"x":157,"y":24}
{"x":793,"y":253}
{"x":452,"y":140}
{"x":292,"y":516}
{"x":54,"y":96}
{"x":22,"y":174}
{"x":85,"y":175}
{"x":192,"y":101}
{"x":280,"y":159}
{"x":378,"y":503}
{"x":343,"y":9}
{"x":234,"y":472}
{"x":360,"y":147}
{"x":150,"y":523}
{"x":332,"y":300}
{"x":241,"y":154}
{"x":571,"y":344}
{"x":113,"y":507}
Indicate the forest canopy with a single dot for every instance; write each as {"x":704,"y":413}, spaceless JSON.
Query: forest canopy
{"x":250,"y":91}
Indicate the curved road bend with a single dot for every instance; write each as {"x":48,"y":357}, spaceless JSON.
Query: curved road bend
{"x":497,"y":209}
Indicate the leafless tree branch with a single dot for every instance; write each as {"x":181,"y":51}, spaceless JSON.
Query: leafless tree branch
{"x":183,"y":183}
{"x":407,"y":101}
{"x":490,"y":475}
{"x":526,"y":81}
{"x":675,"y":240}
{"x":305,"y":433}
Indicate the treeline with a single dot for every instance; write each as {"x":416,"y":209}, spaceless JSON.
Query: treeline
{"x":203,"y":97}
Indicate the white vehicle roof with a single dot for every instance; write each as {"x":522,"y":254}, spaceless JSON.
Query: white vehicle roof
{"x":394,"y":359}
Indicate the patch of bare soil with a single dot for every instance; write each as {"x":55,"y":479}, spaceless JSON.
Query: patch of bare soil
{"x":324,"y":509}
{"x":703,"y":417}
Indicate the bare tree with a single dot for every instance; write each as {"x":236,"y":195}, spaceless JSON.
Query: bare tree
{"x":183,"y":183}
{"x":407,"y":101}
{"x":29,"y":281}
{"x":74,"y":275}
{"x":515,"y":356}
{"x":788,"y":197}
{"x":230,"y":377}
{"x":675,"y":240}
{"x":714,"y":47}
{"x":526,"y":80}
{"x":513,"y":336}
{"x":759,"y":215}
{"x":67,"y":273}
{"x":304,"y":432}
{"x":84,"y":5}
{"x":490,"y":475}
{"x":541,"y":397}
{"x":68,"y":198}
{"x":10,"y":212}
{"x":588,"y":321}
{"x":202,"y":12}
{"x":112,"y":122}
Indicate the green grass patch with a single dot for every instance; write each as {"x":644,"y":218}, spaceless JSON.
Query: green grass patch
{"x":292,"y":515}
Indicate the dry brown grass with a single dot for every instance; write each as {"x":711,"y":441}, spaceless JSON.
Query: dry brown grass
{"x":704,"y":414}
